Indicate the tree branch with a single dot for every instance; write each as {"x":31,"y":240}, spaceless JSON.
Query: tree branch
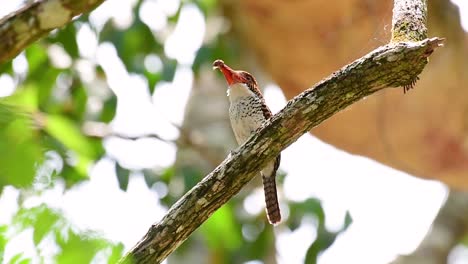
{"x":35,"y":20}
{"x":396,"y":64}
{"x":409,"y":20}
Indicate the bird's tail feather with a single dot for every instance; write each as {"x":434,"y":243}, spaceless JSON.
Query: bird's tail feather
{"x":271,"y":199}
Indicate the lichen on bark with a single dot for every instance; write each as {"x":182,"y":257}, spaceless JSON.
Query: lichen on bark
{"x":409,"y":20}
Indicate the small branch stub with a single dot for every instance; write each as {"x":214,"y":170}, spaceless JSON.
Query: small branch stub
{"x":409,"y":24}
{"x":409,"y":20}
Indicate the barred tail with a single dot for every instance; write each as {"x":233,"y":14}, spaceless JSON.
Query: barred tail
{"x":271,"y":199}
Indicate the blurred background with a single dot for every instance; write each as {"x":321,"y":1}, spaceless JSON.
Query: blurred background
{"x":105,"y":123}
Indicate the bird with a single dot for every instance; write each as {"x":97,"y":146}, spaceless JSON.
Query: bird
{"x":247,"y":113}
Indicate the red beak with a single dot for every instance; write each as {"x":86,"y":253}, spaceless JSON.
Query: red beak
{"x":230,"y":75}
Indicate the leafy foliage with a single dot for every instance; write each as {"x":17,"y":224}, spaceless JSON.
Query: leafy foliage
{"x":52,"y":229}
{"x":19,"y":147}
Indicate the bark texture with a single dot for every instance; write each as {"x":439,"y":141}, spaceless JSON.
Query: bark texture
{"x":409,"y":20}
{"x":393,"y":65}
{"x":423,"y":133}
{"x":35,"y":20}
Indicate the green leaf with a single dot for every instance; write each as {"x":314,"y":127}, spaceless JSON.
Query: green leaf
{"x":150,"y":177}
{"x":68,"y":133}
{"x":37,"y":58}
{"x":8,"y":114}
{"x":347,"y":222}
{"x":27,"y":217}
{"x":310,"y":206}
{"x":262,"y":245}
{"x":3,"y":241}
{"x":67,"y":38}
{"x":79,"y":99}
{"x":108,"y":110}
{"x":122,"y":176}
{"x":45,"y":83}
{"x":25,"y":99}
{"x":73,"y":247}
{"x":19,"y":259}
{"x":321,"y":243}
{"x":6,"y":67}
{"x":191,"y":176}
{"x":20,"y":148}
{"x":223,"y":224}
{"x":167,"y":174}
{"x":72,"y":175}
{"x":174,"y":18}
{"x":78,"y":248}
{"x":133,"y":44}
{"x":206,"y":6}
{"x":153,"y":79}
{"x":116,"y":253}
{"x":44,"y":223}
{"x":42,"y":75}
{"x":77,"y":171}
{"x":169,"y":68}
{"x":324,"y":238}
{"x":25,"y":261}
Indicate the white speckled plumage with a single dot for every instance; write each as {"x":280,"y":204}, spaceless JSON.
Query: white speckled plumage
{"x":247,"y":116}
{"x":247,"y":113}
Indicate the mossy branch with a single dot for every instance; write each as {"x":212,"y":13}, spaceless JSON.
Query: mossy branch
{"x":409,"y":20}
{"x":36,"y":20}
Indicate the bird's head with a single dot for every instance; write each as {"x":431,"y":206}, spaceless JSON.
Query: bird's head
{"x":234,"y":77}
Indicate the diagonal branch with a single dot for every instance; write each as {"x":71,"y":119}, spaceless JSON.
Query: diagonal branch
{"x":35,"y":20}
{"x":393,"y":65}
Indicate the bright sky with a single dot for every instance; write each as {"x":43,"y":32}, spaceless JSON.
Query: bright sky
{"x":391,"y":210}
